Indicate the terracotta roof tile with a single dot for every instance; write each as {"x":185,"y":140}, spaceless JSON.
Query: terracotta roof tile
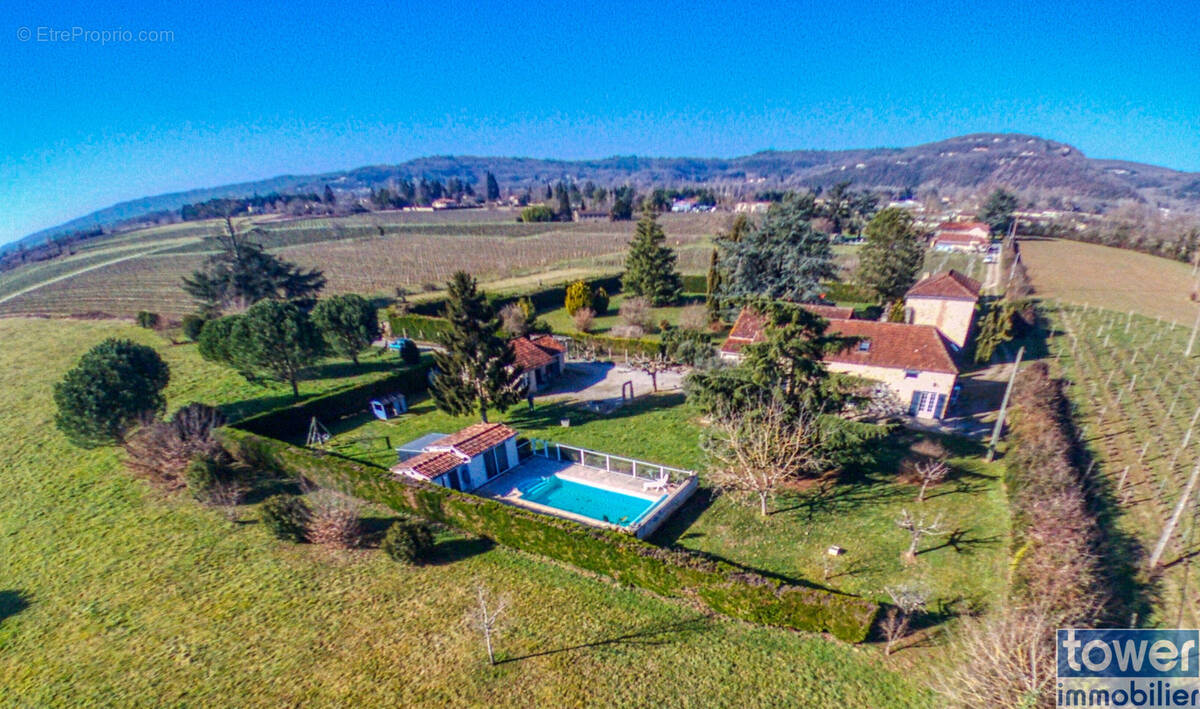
{"x":429,"y":464}
{"x":475,"y":439}
{"x":894,"y":345}
{"x":527,"y":355}
{"x":963,"y":226}
{"x":829,"y":312}
{"x":548,"y":342}
{"x":747,"y":329}
{"x":948,"y":284}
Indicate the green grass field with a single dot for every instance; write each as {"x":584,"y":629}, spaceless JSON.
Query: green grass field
{"x":1111,"y":278}
{"x":113,"y":594}
{"x":966,"y":569}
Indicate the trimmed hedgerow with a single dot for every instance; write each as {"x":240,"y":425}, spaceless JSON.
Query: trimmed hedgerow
{"x":292,"y":421}
{"x":725,"y":588}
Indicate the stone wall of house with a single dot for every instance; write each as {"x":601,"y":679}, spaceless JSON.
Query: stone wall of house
{"x":896,"y":380}
{"x":952,"y":317}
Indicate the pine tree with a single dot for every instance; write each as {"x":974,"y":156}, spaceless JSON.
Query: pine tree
{"x":348,"y":322}
{"x":892,"y":255}
{"x":476,"y":368}
{"x":650,"y":266}
{"x":998,"y":211}
{"x":493,"y":188}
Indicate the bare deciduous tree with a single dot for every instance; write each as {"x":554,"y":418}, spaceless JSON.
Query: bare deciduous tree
{"x":584,"y":318}
{"x":930,"y":473}
{"x":514,"y":320}
{"x":335,"y":520}
{"x":652,"y":366}
{"x":917,"y":527}
{"x":636,"y":312}
{"x":757,"y":451}
{"x":485,"y":617}
{"x":907,"y":602}
{"x":694,"y":317}
{"x":1004,"y":660}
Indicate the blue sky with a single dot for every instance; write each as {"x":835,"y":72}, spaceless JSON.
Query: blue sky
{"x":248,"y":90}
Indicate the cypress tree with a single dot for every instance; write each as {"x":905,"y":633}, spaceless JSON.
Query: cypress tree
{"x":493,"y":188}
{"x":476,"y":368}
{"x":650,"y":266}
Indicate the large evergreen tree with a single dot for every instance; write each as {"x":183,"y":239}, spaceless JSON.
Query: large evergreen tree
{"x":475,"y":369}
{"x":243,"y":274}
{"x":348,"y":322}
{"x":650,"y":266}
{"x":114,"y":385}
{"x":998,"y":211}
{"x":784,"y":258}
{"x":563,"y":210}
{"x":493,"y":188}
{"x":273,"y":338}
{"x":892,"y":255}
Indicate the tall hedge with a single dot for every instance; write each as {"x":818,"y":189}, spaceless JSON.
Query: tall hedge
{"x":291,"y":422}
{"x":724,"y":587}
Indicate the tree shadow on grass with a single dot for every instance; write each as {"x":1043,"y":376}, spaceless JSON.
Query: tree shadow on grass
{"x":12,"y":602}
{"x":658,"y":634}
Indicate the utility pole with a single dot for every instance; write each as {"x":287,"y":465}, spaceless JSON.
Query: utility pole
{"x":1169,"y":530}
{"x":1012,"y":377}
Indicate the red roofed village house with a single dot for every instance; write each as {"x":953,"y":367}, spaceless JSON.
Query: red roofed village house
{"x":946,"y":301}
{"x":915,"y":359}
{"x":962,"y":236}
{"x":541,"y":358}
{"x":464,"y":460}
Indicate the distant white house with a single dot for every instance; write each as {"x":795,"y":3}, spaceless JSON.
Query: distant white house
{"x":751,"y":207}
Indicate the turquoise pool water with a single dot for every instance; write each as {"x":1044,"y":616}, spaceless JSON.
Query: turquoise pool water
{"x":592,"y":502}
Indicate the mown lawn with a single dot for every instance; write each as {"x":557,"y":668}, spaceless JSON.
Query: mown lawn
{"x":962,"y":569}
{"x":561,"y":321}
{"x":113,"y":594}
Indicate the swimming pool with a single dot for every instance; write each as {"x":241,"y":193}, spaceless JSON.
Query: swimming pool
{"x":600,"y":504}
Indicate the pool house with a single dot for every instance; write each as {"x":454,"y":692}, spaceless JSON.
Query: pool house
{"x":586,"y":486}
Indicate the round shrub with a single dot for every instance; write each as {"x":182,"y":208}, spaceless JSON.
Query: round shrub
{"x":286,"y":516}
{"x":409,"y":352}
{"x":192,"y":325}
{"x":600,"y":300}
{"x":579,"y":296}
{"x":408,"y":541}
{"x":147,"y":319}
{"x":202,"y":476}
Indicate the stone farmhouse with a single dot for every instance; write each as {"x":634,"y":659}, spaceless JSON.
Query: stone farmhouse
{"x":916,"y":359}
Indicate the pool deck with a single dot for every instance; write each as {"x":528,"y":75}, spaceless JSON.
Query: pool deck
{"x":506,"y":487}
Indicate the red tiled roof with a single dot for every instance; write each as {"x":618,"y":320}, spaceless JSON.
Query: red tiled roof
{"x":531,"y":354}
{"x":475,"y":439}
{"x":430,"y":464}
{"x":961,"y":238}
{"x":894,"y":345}
{"x":547,"y":342}
{"x":747,"y":329}
{"x":947,"y":284}
{"x":963,"y":226}
{"x":829,"y":312}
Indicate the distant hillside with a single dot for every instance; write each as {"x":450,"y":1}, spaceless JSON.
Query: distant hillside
{"x":1021,"y":162}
